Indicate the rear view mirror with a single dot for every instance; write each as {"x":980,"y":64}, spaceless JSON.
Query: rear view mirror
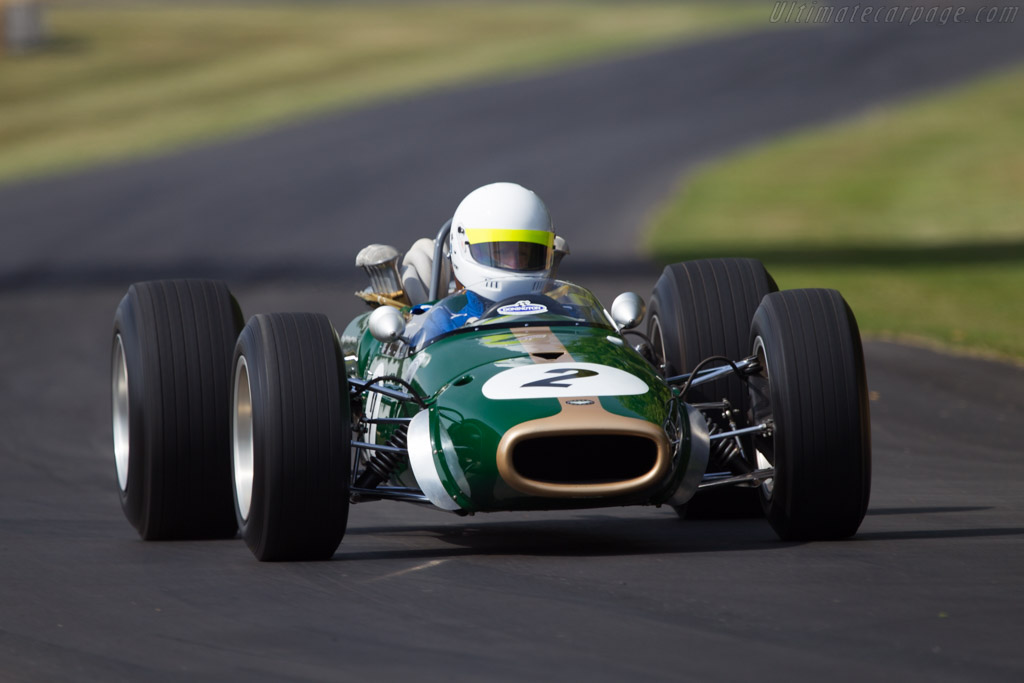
{"x":628,"y":310}
{"x":387,"y":324}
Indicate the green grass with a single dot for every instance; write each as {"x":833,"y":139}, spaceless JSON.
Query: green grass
{"x":914,"y":211}
{"x":122,"y":81}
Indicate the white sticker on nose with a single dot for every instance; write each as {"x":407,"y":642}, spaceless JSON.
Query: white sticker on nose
{"x":559,"y":380}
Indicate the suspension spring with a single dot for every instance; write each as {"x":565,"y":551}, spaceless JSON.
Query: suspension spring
{"x":726,"y":455}
{"x":722,"y":450}
{"x":380,"y":465}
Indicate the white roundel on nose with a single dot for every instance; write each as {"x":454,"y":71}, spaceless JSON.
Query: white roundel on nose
{"x":562,"y":380}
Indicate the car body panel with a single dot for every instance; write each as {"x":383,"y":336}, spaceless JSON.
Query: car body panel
{"x":569,"y":383}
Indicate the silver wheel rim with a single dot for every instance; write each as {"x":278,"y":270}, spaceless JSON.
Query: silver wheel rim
{"x":768,"y":485}
{"x":658,"y":340}
{"x":241,"y":439}
{"x":119,"y":413}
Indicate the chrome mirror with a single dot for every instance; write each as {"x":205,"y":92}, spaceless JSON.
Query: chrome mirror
{"x":628,"y":310}
{"x":387,"y":324}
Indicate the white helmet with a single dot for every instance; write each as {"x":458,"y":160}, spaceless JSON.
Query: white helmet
{"x":501,"y":241}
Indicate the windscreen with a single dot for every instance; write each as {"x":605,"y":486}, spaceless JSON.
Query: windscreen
{"x":551,"y":302}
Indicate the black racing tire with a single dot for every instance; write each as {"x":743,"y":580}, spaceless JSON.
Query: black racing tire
{"x":813,"y":386}
{"x":703,"y":308}
{"x":171,"y":386}
{"x":291,"y":437}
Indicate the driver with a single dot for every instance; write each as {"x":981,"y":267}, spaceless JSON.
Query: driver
{"x":501,"y":240}
{"x":501,"y":244}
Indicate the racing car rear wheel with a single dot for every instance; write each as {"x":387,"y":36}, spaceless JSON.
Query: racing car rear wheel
{"x":704,"y":308}
{"x":291,"y":436}
{"x":812,"y":387}
{"x":171,"y":382}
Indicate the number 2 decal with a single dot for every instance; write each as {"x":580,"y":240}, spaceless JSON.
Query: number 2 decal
{"x":560,"y":375}
{"x":561,"y":380}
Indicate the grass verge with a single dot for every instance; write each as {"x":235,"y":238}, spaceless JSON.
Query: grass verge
{"x":914,"y":211}
{"x":121,"y":81}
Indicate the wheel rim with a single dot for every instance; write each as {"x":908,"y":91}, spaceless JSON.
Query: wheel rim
{"x":760,"y":407}
{"x":242,"y":460}
{"x":658,"y":341}
{"x":120,"y":414}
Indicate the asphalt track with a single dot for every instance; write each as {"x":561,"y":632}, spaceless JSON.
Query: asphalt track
{"x":930,"y":589}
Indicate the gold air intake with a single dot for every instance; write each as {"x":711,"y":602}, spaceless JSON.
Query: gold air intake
{"x":583,"y":452}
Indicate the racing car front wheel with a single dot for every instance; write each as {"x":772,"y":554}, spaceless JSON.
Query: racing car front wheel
{"x":291,"y":435}
{"x":813,"y":390}
{"x":171,"y":382}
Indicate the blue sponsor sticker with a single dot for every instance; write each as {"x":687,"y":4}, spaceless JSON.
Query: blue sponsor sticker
{"x":524,"y":307}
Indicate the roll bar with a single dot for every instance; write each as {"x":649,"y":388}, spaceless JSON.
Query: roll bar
{"x":438,"y":266}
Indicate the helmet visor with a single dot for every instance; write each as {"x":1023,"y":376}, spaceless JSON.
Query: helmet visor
{"x":510,"y":255}
{"x":511,"y":249}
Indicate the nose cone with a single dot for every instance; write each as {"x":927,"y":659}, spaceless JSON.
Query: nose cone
{"x":583,"y":451}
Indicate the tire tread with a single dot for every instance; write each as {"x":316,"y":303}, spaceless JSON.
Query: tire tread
{"x":178,"y":337}
{"x":301,"y":429}
{"x":822,"y":444}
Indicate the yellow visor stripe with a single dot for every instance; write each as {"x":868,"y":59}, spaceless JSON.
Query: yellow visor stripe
{"x":478,"y":235}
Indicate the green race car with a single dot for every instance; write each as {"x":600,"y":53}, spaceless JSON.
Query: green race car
{"x":734,"y":396}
